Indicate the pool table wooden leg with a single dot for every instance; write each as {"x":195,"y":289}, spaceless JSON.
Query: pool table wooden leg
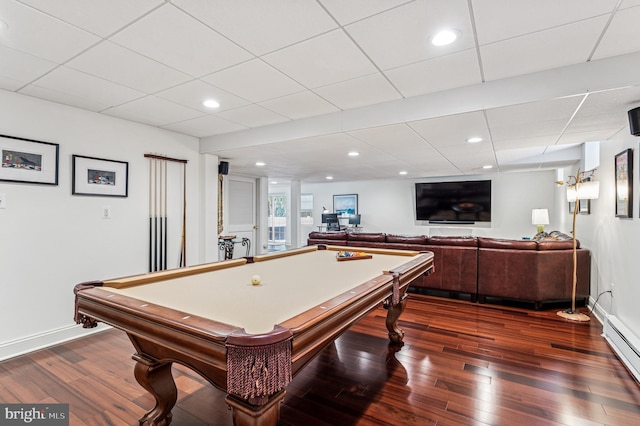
{"x":246,"y":414}
{"x":156,"y":378}
{"x":393,"y":313}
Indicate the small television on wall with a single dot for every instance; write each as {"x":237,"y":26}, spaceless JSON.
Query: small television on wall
{"x":354,"y":220}
{"x":461,"y":202}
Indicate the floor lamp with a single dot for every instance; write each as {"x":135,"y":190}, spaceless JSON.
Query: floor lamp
{"x":580,"y":187}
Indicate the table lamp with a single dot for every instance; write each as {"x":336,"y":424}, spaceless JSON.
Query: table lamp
{"x":540,"y":218}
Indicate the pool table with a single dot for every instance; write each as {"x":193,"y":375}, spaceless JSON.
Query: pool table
{"x":248,"y":340}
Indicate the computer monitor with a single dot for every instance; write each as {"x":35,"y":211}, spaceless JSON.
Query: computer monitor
{"x":329,"y":217}
{"x":354,"y":220}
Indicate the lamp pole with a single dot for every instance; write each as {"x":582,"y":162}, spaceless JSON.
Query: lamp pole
{"x":573,"y":314}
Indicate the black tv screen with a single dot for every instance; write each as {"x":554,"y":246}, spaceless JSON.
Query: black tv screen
{"x":463,"y":202}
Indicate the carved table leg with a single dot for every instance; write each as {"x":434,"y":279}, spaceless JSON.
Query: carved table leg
{"x":245,"y":414}
{"x":156,"y":378}
{"x":393,"y":313}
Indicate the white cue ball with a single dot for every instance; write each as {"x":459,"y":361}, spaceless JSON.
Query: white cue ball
{"x":255,"y":280}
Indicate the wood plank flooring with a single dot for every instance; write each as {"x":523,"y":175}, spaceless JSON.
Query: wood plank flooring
{"x":461,"y":364}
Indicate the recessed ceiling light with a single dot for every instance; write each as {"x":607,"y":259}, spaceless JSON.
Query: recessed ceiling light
{"x":444,"y":37}
{"x":274,"y":182}
{"x":329,"y":177}
{"x":211,"y":103}
{"x":353,"y":154}
{"x":488,"y":166}
{"x":402,"y":172}
{"x":474,"y":139}
{"x":260,"y":163}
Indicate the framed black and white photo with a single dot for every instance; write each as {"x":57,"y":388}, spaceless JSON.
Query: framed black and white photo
{"x":28,"y":161}
{"x":97,"y":176}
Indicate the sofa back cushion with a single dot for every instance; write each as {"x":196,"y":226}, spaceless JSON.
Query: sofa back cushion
{"x":406,"y":239}
{"x":338,"y":235}
{"x":498,"y":243}
{"x":443,"y":240}
{"x":373,"y":237}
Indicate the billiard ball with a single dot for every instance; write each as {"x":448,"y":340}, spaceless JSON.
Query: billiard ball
{"x":255,"y":280}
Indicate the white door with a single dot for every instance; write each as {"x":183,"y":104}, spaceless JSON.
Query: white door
{"x":239,"y":214}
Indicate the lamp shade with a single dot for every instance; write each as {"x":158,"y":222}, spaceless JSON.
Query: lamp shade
{"x":540,"y":217}
{"x":589,"y":190}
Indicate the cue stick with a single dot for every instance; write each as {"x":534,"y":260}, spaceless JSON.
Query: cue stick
{"x":166,"y":193}
{"x":155,"y":214}
{"x":150,"y":221}
{"x":161,"y":214}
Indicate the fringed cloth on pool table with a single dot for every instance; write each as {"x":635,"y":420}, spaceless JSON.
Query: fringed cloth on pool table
{"x":259,"y":365}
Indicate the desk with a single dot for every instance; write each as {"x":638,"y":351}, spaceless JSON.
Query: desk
{"x":228,"y":242}
{"x":248,"y":341}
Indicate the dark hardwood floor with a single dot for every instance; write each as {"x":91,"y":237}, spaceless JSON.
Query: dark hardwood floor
{"x":461,"y":364}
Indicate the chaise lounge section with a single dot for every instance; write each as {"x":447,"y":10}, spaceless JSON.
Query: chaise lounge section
{"x":482,"y":267}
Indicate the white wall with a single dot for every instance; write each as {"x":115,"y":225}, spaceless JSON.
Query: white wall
{"x":614,"y":242}
{"x":389,"y":206}
{"x":51,"y":240}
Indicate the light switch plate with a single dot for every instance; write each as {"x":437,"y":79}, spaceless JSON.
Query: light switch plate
{"x":3,"y":201}
{"x":106,"y":212}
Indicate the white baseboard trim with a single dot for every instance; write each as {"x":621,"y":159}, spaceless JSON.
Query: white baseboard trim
{"x":28,"y":344}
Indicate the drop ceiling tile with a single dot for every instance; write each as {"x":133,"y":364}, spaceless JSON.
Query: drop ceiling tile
{"x":367,"y":90}
{"x":66,"y":81}
{"x":433,"y":75}
{"x":526,"y":141}
{"x":174,"y":38}
{"x":96,"y":16}
{"x":347,"y":12}
{"x":252,"y":116}
{"x":20,"y":68}
{"x":533,"y":112}
{"x":401,"y":36}
{"x":154,"y":111}
{"x":193,"y":93}
{"x":37,"y":34}
{"x":255,"y":81}
{"x":64,"y":98}
{"x":453,"y":130}
{"x":322,"y":60}
{"x":622,"y":35}
{"x":498,"y":20}
{"x":206,"y":125}
{"x":262,"y":27}
{"x":556,"y":47}
{"x":119,"y":65}
{"x":299,"y":105}
{"x":393,"y":138}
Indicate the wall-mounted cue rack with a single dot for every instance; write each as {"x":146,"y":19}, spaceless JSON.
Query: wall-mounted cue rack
{"x":158,"y":211}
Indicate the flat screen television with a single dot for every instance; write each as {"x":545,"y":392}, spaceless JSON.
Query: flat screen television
{"x":462,"y":202}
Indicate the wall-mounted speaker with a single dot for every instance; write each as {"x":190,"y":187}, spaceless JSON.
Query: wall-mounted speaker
{"x":634,"y":121}
{"x":223,"y":168}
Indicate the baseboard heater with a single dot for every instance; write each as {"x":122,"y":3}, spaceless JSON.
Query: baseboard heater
{"x":624,"y":343}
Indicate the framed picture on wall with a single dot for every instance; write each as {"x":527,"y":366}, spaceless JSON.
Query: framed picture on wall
{"x":97,"y":176}
{"x":345,"y":204}
{"x":28,"y":161}
{"x":624,"y":183}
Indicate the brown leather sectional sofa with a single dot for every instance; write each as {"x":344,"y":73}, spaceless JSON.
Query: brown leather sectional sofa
{"x":534,"y":271}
